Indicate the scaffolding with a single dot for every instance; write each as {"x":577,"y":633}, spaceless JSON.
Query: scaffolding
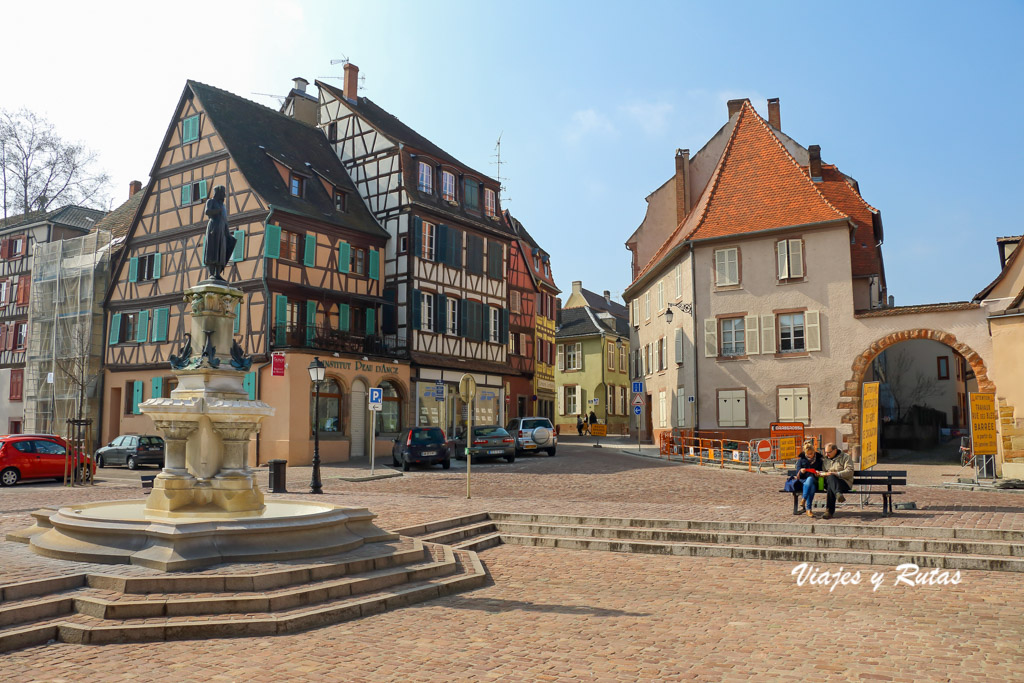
{"x":64,"y":358}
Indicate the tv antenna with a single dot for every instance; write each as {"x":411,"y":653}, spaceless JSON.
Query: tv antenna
{"x":345,"y":60}
{"x":282,"y":98}
{"x":498,"y":162}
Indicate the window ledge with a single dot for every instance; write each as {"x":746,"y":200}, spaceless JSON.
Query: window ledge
{"x":795,"y":354}
{"x":727,"y":288}
{"x":791,"y":281}
{"x":726,"y":359}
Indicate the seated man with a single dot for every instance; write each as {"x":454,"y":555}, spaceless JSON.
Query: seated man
{"x":838,"y":477}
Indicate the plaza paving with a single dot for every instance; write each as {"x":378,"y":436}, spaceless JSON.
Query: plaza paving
{"x":552,"y":614}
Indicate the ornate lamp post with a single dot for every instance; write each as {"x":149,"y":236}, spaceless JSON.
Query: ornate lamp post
{"x":316,"y":374}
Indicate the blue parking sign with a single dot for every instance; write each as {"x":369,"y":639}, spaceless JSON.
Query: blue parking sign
{"x":636,"y":410}
{"x":376,"y":396}
{"x":638,"y":388}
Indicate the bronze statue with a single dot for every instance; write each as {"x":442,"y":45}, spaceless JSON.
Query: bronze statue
{"x":219,"y":241}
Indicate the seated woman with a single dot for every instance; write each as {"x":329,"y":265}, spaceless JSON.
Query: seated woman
{"x":808,"y":466}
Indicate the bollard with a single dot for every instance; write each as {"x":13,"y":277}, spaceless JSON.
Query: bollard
{"x":278,"y":476}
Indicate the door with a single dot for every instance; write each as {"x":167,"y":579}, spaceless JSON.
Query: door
{"x":648,"y":421}
{"x":50,"y":459}
{"x":521,"y":406}
{"x":359,"y":408}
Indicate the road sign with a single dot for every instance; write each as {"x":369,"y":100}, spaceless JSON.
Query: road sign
{"x":593,"y":401}
{"x":636,"y":410}
{"x":638,"y":387}
{"x":869,"y":426}
{"x":764,"y":449}
{"x":376,"y":398}
{"x":278,"y":362}
{"x":599,"y":430}
{"x":439,"y":391}
{"x":467,"y":388}
{"x":983,"y":423}
{"x":638,"y":401}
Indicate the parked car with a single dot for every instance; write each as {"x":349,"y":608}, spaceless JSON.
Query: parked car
{"x":132,"y":450}
{"x":489,"y":441}
{"x":37,"y":456}
{"x":533,"y":434}
{"x":421,"y":446}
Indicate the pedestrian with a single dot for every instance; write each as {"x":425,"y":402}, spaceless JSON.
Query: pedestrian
{"x":592,"y":421}
{"x":838,"y":477}
{"x":579,"y":424}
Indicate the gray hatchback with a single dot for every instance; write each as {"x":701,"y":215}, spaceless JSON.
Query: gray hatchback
{"x":132,"y":450}
{"x":489,"y":441}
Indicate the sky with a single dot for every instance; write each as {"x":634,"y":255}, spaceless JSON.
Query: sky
{"x":919,"y":101}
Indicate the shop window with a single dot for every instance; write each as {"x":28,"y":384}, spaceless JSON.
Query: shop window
{"x":390,"y":419}
{"x":331,"y":418}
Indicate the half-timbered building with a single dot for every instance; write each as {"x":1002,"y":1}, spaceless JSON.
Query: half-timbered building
{"x":307,"y":258}
{"x":18,"y":237}
{"x":446,"y":259}
{"x":532,"y":316}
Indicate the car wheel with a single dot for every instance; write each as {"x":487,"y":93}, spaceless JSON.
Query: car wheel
{"x":405,"y":463}
{"x":9,"y":477}
{"x":510,"y":458}
{"x":132,"y":465}
{"x":446,"y":463}
{"x":99,"y":461}
{"x":551,"y":452}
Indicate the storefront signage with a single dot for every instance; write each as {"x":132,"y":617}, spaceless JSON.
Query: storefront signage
{"x":869,"y":426}
{"x":278,"y":359}
{"x":983,"y":423}
{"x":379,"y":368}
{"x":439,"y":391}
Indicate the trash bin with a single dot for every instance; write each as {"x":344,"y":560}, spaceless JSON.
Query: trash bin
{"x":278,"y":476}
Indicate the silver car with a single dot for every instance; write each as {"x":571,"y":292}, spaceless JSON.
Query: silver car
{"x":533,"y":434}
{"x":489,"y":441}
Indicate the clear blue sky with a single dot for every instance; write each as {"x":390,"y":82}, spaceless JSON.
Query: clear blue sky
{"x":921,"y":102}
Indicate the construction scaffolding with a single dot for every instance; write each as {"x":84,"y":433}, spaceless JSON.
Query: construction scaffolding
{"x":64,"y":358}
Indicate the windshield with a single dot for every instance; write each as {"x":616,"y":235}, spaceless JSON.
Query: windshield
{"x":151,"y":441}
{"x":489,"y":431}
{"x":533,"y":424}
{"x":431,"y":435}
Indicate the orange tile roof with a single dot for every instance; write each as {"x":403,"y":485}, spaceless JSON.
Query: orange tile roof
{"x":865,"y":257}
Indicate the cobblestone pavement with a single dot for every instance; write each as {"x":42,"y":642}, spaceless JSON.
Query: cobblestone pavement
{"x":553,"y":615}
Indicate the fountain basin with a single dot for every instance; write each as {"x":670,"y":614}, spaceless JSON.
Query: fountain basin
{"x":126,"y":532}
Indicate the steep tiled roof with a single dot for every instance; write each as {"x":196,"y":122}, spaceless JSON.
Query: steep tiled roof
{"x":120,"y":219}
{"x":256,"y":135}
{"x":864,"y":255}
{"x":72,"y":215}
{"x":575,"y":322}
{"x":528,"y":245}
{"x":1002,"y":273}
{"x":599,"y":303}
{"x":923,"y":308}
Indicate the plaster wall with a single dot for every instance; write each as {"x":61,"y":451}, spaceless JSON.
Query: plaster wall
{"x":9,"y":410}
{"x":659,"y":222}
{"x":592,"y":379}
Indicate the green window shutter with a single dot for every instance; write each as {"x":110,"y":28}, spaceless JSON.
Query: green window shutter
{"x":416,"y":303}
{"x":249,"y":384}
{"x":417,"y":236}
{"x":504,"y":327}
{"x":158,"y":387}
{"x":186,"y":194}
{"x":238,"y":254}
{"x":344,"y":317}
{"x":374,"y":264}
{"x":160,"y":320}
{"x":281,"y":320}
{"x":272,"y":241}
{"x":465,"y":308}
{"x":133,"y":269}
{"x":115,"y":329}
{"x":238,"y":318}
{"x":310,"y":321}
{"x":136,"y":397}
{"x":143,"y":335}
{"x":371,"y":321}
{"x":157,"y":265}
{"x":442,"y":313}
{"x":202,"y":190}
{"x":441,"y":243}
{"x":310,"y":256}
{"x":344,"y":256}
{"x":485,"y":327}
{"x":455,"y":241}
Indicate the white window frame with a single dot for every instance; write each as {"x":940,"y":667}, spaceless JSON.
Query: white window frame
{"x":738,"y":344}
{"x":622,"y":359}
{"x":661,"y":296}
{"x":571,"y":400}
{"x":447,"y":190}
{"x":790,"y":254}
{"x":610,"y":346}
{"x":3,"y":292}
{"x":490,"y":203}
{"x":662,"y":415}
{"x":427,"y":242}
{"x":679,"y":346}
{"x":647,"y":305}
{"x":18,"y":246}
{"x":610,"y":400}
{"x":427,"y":312}
{"x":680,"y":407}
{"x":425,"y":180}
{"x":495,"y":325}
{"x":791,"y":328}
{"x":732,"y":407}
{"x":452,"y":320}
{"x":636,"y":312}
{"x":794,"y":404}
{"x":573,"y":356}
{"x":679,"y":281}
{"x":727,"y":269}
{"x":623,"y":408}
{"x":515,"y":304}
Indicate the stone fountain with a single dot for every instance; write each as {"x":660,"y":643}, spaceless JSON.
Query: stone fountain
{"x":206,"y":506}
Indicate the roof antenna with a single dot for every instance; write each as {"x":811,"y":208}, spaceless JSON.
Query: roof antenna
{"x":498,"y":162}
{"x":282,"y":98}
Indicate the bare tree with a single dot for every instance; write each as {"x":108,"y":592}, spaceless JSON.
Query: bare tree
{"x":41,"y":170}
{"x":909,"y":388}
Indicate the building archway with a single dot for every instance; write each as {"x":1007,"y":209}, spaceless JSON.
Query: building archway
{"x":849,"y":403}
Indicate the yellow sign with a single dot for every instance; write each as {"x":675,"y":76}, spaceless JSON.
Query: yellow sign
{"x":869,"y":426}
{"x":787,"y":448}
{"x":983,"y":424}
{"x":599,"y":430}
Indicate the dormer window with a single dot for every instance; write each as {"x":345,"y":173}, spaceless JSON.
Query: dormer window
{"x":448,"y":186}
{"x":296,"y":185}
{"x":426,"y":178}
{"x":471,"y":194}
{"x":490,"y":203}
{"x":339,"y":201}
{"x":332,"y":131}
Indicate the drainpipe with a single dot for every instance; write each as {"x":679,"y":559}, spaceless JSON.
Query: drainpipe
{"x":693,"y":332}
{"x":269,"y":310}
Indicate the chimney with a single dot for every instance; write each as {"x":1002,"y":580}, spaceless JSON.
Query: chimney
{"x":774,"y":116}
{"x":299,"y":83}
{"x":734,"y":106}
{"x":133,"y":187}
{"x":607,"y":297}
{"x":351,"y":82}
{"x":682,"y":184}
{"x":814,"y":151}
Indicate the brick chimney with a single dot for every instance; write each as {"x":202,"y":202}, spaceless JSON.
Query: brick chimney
{"x":607,"y":297}
{"x":351,"y":81}
{"x":682,"y":184}
{"x":774,"y":116}
{"x":814,"y":152}
{"x":133,"y":187}
{"x":735,"y":105}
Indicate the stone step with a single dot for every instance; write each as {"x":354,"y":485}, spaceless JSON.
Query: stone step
{"x":808,"y":540}
{"x":830,"y":556}
{"x":459,"y":534}
{"x":419,"y":530}
{"x":464,"y":571}
{"x":478,"y":543}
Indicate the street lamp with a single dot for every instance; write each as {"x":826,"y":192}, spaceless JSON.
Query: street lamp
{"x":316,"y":374}
{"x":685,"y":308}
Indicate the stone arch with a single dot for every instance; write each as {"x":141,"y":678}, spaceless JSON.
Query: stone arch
{"x":850,"y":395}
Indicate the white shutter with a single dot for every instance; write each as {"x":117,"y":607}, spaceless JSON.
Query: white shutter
{"x":796,"y":258}
{"x":721,"y":270}
{"x":767,"y":334}
{"x":561,"y":400}
{"x":681,"y":407}
{"x":780,"y":250}
{"x":710,"y":338}
{"x":679,"y":280}
{"x":579,"y":398}
{"x":732,"y":266}
{"x":786,"y":402}
{"x":647,"y":304}
{"x":750,"y":334}
{"x":679,"y":345}
{"x":802,"y":405}
{"x":812,"y":330}
{"x":725,"y":409}
{"x":636,"y":312}
{"x":561,"y":358}
{"x":579,"y":356}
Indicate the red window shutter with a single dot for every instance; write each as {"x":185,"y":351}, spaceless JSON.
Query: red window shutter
{"x":3,"y":337}
{"x":3,"y":248}
{"x":22,"y":290}
{"x":12,"y":328}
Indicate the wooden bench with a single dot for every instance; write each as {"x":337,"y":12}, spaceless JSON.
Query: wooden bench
{"x":147,"y":480}
{"x":867,"y":479}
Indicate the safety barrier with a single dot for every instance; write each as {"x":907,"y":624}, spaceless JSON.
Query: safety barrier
{"x":712,"y":448}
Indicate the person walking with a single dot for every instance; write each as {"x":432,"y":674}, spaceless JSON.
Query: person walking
{"x":579,"y":424}
{"x":591,"y":421}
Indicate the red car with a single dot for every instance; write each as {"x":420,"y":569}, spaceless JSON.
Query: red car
{"x":36,"y":456}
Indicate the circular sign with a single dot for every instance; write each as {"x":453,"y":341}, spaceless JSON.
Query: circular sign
{"x":467,"y":388}
{"x":636,"y":410}
{"x":764,"y":449}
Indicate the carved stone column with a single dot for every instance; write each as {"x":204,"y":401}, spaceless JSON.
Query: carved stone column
{"x":235,"y":436}
{"x":234,"y":488}
{"x":176,"y":433}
